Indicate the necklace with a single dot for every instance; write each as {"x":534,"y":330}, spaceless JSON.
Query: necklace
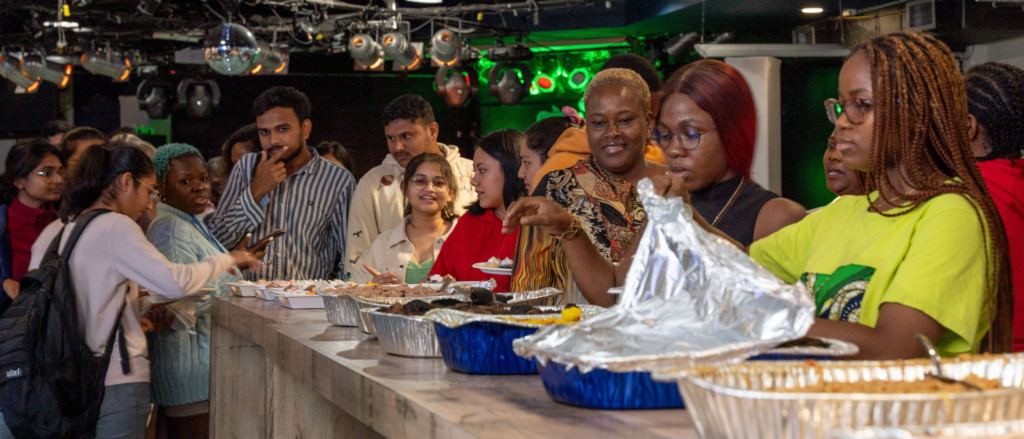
{"x":728,"y":203}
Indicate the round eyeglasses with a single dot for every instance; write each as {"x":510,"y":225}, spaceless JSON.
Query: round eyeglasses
{"x":687,"y":136}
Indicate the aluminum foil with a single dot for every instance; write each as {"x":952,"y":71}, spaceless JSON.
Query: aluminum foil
{"x":737,"y":401}
{"x":689,"y":297}
{"x":835,"y":348}
{"x":454,"y":318}
{"x":338,"y":313}
{"x":366,"y":322}
{"x":601,"y":389}
{"x":541,"y":297}
{"x":408,"y":336}
{"x":1003,"y":429}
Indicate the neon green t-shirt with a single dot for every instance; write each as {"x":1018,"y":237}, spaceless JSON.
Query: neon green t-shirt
{"x":931,"y":259}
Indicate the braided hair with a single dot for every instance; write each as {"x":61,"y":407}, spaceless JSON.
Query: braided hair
{"x":995,"y":97}
{"x":920,"y":109}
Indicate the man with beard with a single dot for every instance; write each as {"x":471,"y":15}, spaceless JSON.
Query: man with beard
{"x":287,"y":186}
{"x":378,"y":204}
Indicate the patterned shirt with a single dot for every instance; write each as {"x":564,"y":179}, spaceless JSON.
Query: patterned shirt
{"x":311,"y":206}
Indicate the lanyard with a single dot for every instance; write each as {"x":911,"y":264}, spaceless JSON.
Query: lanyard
{"x":207,"y":234}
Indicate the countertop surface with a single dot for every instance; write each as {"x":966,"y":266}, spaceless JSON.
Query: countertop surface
{"x":421,"y":398}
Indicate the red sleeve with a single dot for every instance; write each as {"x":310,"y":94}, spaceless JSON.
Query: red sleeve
{"x":448,"y":258}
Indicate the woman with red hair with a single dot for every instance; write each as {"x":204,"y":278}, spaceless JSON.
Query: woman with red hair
{"x":707,"y":129}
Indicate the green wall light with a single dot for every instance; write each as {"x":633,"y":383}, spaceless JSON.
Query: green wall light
{"x":579,"y":78}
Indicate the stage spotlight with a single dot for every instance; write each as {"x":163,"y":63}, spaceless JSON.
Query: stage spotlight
{"x":10,"y":69}
{"x":230,"y":49}
{"x":510,"y":89}
{"x":107,"y":64}
{"x":154,"y":98}
{"x":445,"y":47}
{"x":199,"y":96}
{"x":723,"y":37}
{"x":271,"y":60}
{"x":36,"y":67}
{"x":398,"y":48}
{"x":366,"y":52}
{"x":680,"y":44}
{"x":456,"y":89}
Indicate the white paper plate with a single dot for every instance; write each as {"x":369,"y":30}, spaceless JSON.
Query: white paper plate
{"x":490,"y":270}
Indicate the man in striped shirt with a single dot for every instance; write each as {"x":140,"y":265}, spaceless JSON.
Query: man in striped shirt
{"x":287,"y":186}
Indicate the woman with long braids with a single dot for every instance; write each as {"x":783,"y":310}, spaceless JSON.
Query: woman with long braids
{"x":911,"y":257}
{"x":995,"y":98}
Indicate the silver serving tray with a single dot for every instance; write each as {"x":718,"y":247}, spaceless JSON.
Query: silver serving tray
{"x":541,"y":297}
{"x":408,"y":336}
{"x":836,"y":348}
{"x":366,"y":322}
{"x":737,"y":401}
{"x":453,"y":318}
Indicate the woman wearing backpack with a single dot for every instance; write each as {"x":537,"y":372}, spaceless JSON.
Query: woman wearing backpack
{"x":111,"y":260}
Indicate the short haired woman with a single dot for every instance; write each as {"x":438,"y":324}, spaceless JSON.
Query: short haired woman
{"x":478,"y":237}
{"x":405,"y":254}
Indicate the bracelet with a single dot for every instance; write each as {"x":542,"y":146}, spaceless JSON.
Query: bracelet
{"x":573,"y":232}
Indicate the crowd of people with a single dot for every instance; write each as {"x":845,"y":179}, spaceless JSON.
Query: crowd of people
{"x":924,"y":236}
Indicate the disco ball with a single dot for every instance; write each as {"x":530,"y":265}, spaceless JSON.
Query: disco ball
{"x":231,"y":49}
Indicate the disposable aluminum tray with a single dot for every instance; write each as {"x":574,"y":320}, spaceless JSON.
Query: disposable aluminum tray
{"x":738,"y":401}
{"x":408,"y":336}
{"x":835,"y":348}
{"x":996,"y":430}
{"x":541,"y":297}
{"x":607,"y":390}
{"x":366,"y":322}
{"x":482,"y":344}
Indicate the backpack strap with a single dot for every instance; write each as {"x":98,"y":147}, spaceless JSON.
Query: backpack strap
{"x":122,"y":347}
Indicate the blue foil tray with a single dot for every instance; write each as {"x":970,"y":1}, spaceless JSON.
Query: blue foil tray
{"x":483,"y":348}
{"x":601,"y":389}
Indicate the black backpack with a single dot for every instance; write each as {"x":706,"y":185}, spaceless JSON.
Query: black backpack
{"x":51,"y":383}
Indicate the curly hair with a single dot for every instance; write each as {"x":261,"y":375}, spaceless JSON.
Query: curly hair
{"x":627,"y":78}
{"x":920,"y":110}
{"x":995,"y":97}
{"x":165,"y":154}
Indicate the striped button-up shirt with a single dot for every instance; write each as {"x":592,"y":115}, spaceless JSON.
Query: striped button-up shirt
{"x":311,"y":205}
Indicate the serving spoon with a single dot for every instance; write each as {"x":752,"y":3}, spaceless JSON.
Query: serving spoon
{"x":933,"y":354}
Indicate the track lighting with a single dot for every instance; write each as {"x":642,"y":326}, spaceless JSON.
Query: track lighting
{"x":445,"y":47}
{"x":107,"y":63}
{"x":680,"y":44}
{"x":456,"y":89}
{"x":37,"y":67}
{"x":230,"y":49}
{"x":199,"y":96}
{"x":366,"y":52}
{"x":398,"y":48}
{"x":10,"y":69}
{"x":154,"y":98}
{"x":510,"y":89}
{"x":270,"y":60}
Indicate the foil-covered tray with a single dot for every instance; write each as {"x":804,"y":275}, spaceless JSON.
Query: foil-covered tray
{"x":482,"y":344}
{"x":337,"y":314}
{"x":994,"y":430}
{"x":835,"y":349}
{"x":602,"y":389}
{"x":738,"y":401}
{"x":541,"y":297}
{"x":366,"y":322}
{"x":408,"y":336}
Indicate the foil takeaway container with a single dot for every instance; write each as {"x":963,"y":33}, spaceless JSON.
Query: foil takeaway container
{"x":690,"y":297}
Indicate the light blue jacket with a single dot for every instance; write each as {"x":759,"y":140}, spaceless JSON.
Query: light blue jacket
{"x":180,"y":362}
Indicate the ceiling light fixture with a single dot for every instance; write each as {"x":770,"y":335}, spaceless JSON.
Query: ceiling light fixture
{"x":454,"y":87}
{"x":230,"y":49}
{"x":678,"y":45}
{"x":36,"y":66}
{"x":64,"y":24}
{"x":445,"y":46}
{"x":514,"y":84}
{"x":812,"y":10}
{"x":398,"y":48}
{"x":154,"y":98}
{"x":199,"y":96}
{"x":270,"y":60}
{"x":366,"y":52}
{"x":427,"y":2}
{"x":107,"y":63}
{"x":10,"y":69}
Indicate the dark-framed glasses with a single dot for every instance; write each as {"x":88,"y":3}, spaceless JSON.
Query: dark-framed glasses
{"x":854,"y":109}
{"x":420,"y":183}
{"x":688,"y":136}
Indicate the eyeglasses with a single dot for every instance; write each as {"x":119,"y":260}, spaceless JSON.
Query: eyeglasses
{"x":51,"y":174}
{"x":154,"y":194}
{"x":854,"y":113}
{"x":687,"y":136}
{"x":421,"y":183}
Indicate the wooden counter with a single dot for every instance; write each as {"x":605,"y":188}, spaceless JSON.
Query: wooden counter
{"x":322,"y":381}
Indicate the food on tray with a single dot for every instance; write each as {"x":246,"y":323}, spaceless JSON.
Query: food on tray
{"x":498,"y":263}
{"x":805,"y":342}
{"x":929,"y":384}
{"x":375,"y":290}
{"x":569,"y":315}
{"x":419,"y":308}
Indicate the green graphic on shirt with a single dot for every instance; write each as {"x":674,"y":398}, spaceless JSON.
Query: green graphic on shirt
{"x":838,"y":296}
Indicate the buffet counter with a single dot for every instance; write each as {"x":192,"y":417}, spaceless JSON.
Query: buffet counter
{"x":277,"y":372}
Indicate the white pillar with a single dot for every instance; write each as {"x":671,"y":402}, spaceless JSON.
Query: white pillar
{"x":763,"y":78}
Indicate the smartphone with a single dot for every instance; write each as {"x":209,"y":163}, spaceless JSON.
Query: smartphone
{"x":263,"y":242}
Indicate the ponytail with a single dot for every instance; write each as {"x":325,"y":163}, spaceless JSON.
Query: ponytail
{"x":24,"y":157}
{"x":95,"y":174}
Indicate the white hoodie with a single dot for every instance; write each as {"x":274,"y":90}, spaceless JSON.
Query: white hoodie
{"x":378,"y":204}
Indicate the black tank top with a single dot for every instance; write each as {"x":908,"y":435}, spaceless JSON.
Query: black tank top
{"x":739,"y":219}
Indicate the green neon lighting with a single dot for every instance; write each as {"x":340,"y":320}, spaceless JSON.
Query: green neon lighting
{"x":580,"y":85}
{"x":536,"y":83}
